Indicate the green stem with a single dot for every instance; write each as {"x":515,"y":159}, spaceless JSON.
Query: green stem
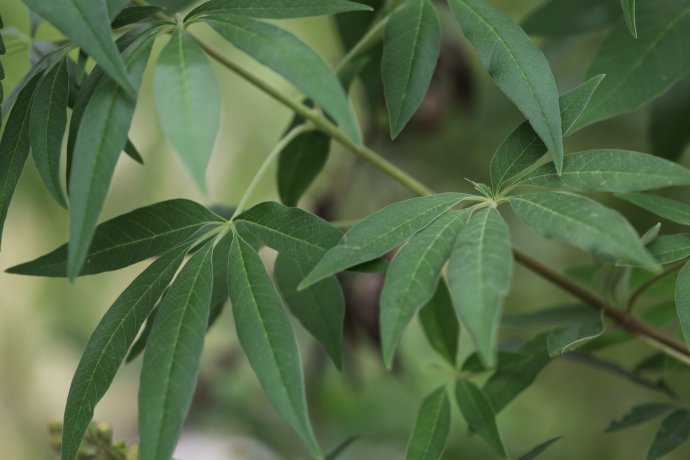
{"x":367,"y":41}
{"x":647,"y":284}
{"x":294,"y":132}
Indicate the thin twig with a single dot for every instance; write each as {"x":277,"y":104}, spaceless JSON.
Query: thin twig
{"x":647,"y":284}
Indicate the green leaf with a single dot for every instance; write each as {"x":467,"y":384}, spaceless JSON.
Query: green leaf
{"x":188,"y":102}
{"x":320,"y":309}
{"x":276,"y":10}
{"x":683,"y":300}
{"x":518,"y":67}
{"x":132,"y":152}
{"x":633,"y":67}
{"x":340,"y":448}
{"x":639,"y":414}
{"x":129,"y":238}
{"x":87,"y":24}
{"x":629,"y":15}
{"x":413,"y":276}
{"x":479,"y":275}
{"x":670,"y":248}
{"x":101,"y":137}
{"x":522,"y":147}
{"x":299,"y":163}
{"x":539,"y":449}
{"x":172,"y":357}
{"x":477,"y":411}
{"x":561,"y":18}
{"x":294,"y":60}
{"x":14,"y":147}
{"x":546,"y":317}
{"x":609,"y":170}
{"x":292,"y":231}
{"x":431,"y":430}
{"x":114,"y":7}
{"x":134,"y":14}
{"x":440,"y":324}
{"x":588,"y":325}
{"x":673,"y":210}
{"x":109,"y":344}
{"x":673,"y":433}
{"x":380,"y":232}
{"x":583,"y":223}
{"x":411,"y":44}
{"x":267,"y":338}
{"x":668,"y":131}
{"x":47,"y":127}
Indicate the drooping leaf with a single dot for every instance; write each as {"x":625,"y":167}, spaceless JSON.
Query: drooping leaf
{"x":380,"y":232}
{"x":629,"y":15}
{"x":522,"y":147}
{"x":134,"y":14}
{"x":411,"y":45}
{"x":129,"y":238}
{"x":101,"y":137}
{"x":683,"y":300}
{"x":673,"y":433}
{"x":109,"y":344}
{"x":412,"y":277}
{"x":430,"y":434}
{"x":267,"y":338}
{"x":440,"y":324}
{"x":172,"y":357}
{"x":633,"y":66}
{"x":639,"y":414}
{"x":320,"y":308}
{"x":14,"y":147}
{"x":518,"y":67}
{"x":299,"y":163}
{"x":673,"y":210}
{"x":188,"y":102}
{"x":477,"y":411}
{"x":294,"y":60}
{"x":479,"y":275}
{"x":539,"y":449}
{"x":586,"y":326}
{"x":87,"y":23}
{"x":670,"y":248}
{"x":582,"y":222}
{"x":47,"y":127}
{"x":270,"y":9}
{"x":609,"y":170}
{"x":560,"y":18}
{"x":668,"y":122}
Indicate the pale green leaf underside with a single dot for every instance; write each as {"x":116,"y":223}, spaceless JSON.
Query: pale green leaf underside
{"x":582,"y":222}
{"x":411,"y":45}
{"x":518,"y":67}
{"x":609,"y":170}
{"x":479,"y":275}
{"x":586,"y":325}
{"x":109,"y":345}
{"x":629,"y":15}
{"x":670,"y":209}
{"x":188,"y":102}
{"x":670,"y":248}
{"x":172,"y":357}
{"x":431,"y":430}
{"x":267,"y":338}
{"x":272,"y":9}
{"x":380,"y":232}
{"x":413,"y":275}
{"x":477,"y":411}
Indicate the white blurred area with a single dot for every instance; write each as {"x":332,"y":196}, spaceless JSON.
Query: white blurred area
{"x":198,"y":446}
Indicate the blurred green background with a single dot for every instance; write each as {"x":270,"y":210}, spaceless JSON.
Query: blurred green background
{"x":45,"y":323}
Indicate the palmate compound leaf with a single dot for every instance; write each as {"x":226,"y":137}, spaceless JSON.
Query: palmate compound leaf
{"x":411,"y":45}
{"x":271,"y":9}
{"x":413,"y":276}
{"x":87,"y":23}
{"x":522,"y":147}
{"x":479,"y":414}
{"x":109,"y":345}
{"x":294,"y":60}
{"x":633,"y":66}
{"x":101,"y":137}
{"x":479,"y":275}
{"x":518,"y":67}
{"x":584,"y":223}
{"x":673,"y":433}
{"x":129,"y":238}
{"x":440,"y":324}
{"x":172,"y":357}
{"x":320,"y":308}
{"x":431,"y":430}
{"x":188,"y":102}
{"x":609,"y":170}
{"x":380,"y":232}
{"x":267,"y":338}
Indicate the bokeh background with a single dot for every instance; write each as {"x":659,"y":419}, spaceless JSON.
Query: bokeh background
{"x":45,"y":323}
